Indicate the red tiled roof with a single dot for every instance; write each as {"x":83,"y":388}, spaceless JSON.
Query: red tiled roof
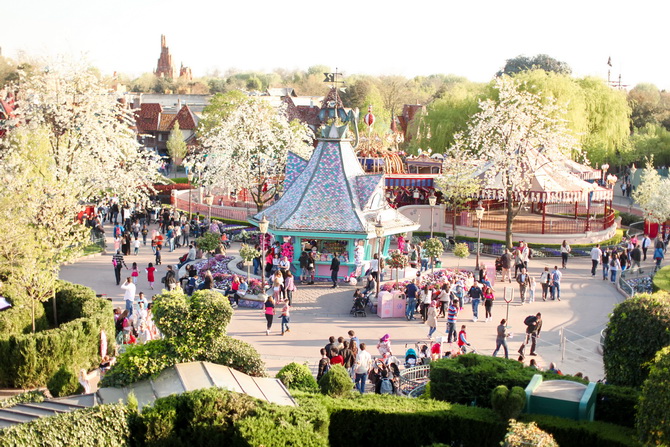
{"x":185,"y":118}
{"x":310,"y":115}
{"x":147,"y":117}
{"x":166,"y":123}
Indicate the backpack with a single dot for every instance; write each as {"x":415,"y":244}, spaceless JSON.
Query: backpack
{"x":386,"y":387}
{"x":326,"y":369}
{"x":530,"y":320}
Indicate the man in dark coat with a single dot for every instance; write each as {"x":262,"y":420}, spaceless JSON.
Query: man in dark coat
{"x":334,"y":269}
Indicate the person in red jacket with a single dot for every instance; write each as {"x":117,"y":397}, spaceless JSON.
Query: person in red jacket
{"x":462,"y":340}
{"x":336,"y":359}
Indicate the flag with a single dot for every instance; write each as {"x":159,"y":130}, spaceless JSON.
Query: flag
{"x":609,"y":61}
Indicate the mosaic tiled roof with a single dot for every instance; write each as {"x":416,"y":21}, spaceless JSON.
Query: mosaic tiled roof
{"x":331,"y":193}
{"x":294,"y":166}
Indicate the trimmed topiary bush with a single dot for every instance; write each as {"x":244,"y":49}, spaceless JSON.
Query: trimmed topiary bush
{"x":297,"y":376}
{"x":638,"y":328}
{"x":63,"y":383}
{"x":194,"y":329}
{"x":508,"y":403}
{"x":200,"y":318}
{"x":30,"y":360}
{"x":336,"y":382}
{"x":653,"y":412}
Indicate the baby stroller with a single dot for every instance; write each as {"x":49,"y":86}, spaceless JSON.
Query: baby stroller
{"x":359,"y":307}
{"x":411,"y":359}
{"x":499,"y":266}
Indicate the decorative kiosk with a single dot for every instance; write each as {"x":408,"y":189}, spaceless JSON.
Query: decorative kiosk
{"x":331,"y":207}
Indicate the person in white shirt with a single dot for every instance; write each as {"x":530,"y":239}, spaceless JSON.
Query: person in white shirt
{"x":361,"y":367}
{"x":565,"y":251}
{"x":646,"y":242}
{"x":374,"y":267}
{"x":596,"y":254}
{"x":129,"y":294}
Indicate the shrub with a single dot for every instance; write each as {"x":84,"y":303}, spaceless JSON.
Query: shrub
{"x":508,"y":403}
{"x":141,"y":362}
{"x":568,"y":432}
{"x":522,"y":435}
{"x":397,"y":420}
{"x":297,"y":376}
{"x":616,"y":404}
{"x":637,"y":329}
{"x":471,"y":378}
{"x":461,"y":250}
{"x":653,"y":413}
{"x":102,"y":425}
{"x":31,"y":360}
{"x":336,"y":382}
{"x":208,"y":242}
{"x":63,"y":383}
{"x":28,"y":396}
{"x":215,"y":417}
{"x":199,"y":318}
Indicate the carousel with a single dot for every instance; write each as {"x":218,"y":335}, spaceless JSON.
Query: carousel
{"x":564,"y":197}
{"x":331,"y":207}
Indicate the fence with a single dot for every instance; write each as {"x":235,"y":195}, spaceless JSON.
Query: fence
{"x":413,"y":378}
{"x":241,"y":213}
{"x":552,"y":224}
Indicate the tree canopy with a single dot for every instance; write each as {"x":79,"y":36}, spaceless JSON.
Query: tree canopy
{"x":541,"y":61}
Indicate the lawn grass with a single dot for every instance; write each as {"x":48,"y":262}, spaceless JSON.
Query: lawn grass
{"x":662,"y":279}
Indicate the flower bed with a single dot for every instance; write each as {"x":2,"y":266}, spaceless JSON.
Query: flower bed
{"x":642,"y":284}
{"x":218,"y":265}
{"x":432,"y":279}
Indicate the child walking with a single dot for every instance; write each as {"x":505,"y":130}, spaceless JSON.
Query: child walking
{"x":134,"y":272}
{"x":158,"y":255}
{"x":285,"y":317}
{"x":136,"y":245}
{"x":151,"y":270}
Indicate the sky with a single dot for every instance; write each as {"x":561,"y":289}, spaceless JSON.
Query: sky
{"x":468,"y":38}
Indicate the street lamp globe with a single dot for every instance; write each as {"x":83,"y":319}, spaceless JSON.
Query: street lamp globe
{"x":432,"y":199}
{"x":379,"y":229}
{"x":263,"y":225}
{"x":189,"y":176}
{"x":479,"y":211}
{"x":208,"y":199}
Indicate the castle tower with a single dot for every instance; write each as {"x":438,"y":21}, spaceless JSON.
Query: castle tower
{"x":164,"y":69}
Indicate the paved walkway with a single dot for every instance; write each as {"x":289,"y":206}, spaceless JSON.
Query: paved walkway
{"x":320,"y":311}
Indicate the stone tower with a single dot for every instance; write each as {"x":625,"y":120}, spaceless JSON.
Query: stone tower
{"x":164,"y":69}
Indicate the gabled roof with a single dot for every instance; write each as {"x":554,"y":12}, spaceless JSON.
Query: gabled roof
{"x":147,"y":117}
{"x":281,"y":91}
{"x":187,"y":120}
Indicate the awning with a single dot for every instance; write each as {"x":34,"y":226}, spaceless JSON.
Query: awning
{"x":409,"y":182}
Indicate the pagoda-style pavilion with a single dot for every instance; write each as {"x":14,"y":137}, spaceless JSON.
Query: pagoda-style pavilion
{"x":331,"y":207}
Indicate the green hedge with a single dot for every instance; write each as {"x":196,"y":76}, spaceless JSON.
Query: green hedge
{"x":27,"y":397}
{"x":216,"y":417}
{"x":30,"y":360}
{"x":297,"y":376}
{"x":374,"y":420}
{"x":101,"y":426}
{"x":471,"y":378}
{"x":568,"y":432}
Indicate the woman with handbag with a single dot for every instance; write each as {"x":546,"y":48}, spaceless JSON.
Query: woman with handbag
{"x":269,"y":313}
{"x":545,"y":279}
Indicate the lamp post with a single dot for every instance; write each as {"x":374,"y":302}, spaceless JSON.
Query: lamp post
{"x":604,"y":169}
{"x":189,"y":176}
{"x":209,"y":199}
{"x":263,"y":227}
{"x":479,"y":212}
{"x":379,"y":232}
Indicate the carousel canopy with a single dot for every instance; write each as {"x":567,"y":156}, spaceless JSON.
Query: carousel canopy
{"x":551,"y":181}
{"x":332,"y":193}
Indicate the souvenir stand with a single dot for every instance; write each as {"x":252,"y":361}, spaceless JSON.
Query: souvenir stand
{"x":330,"y":206}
